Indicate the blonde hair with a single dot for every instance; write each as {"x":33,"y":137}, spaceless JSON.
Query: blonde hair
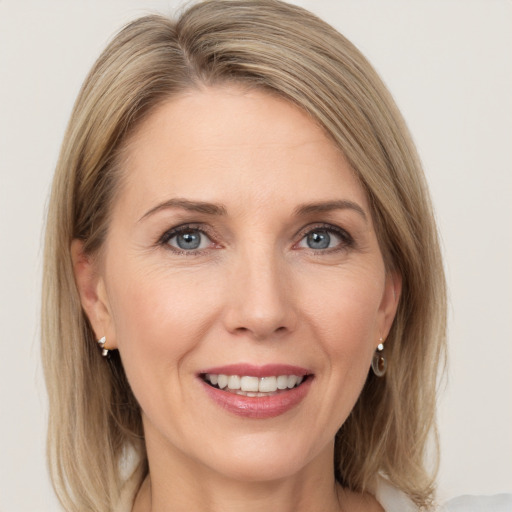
{"x":93,"y":416}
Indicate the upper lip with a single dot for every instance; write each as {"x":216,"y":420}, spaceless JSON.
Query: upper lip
{"x":267,"y":370}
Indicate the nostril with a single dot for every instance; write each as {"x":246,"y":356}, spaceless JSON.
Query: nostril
{"x":261,"y":332}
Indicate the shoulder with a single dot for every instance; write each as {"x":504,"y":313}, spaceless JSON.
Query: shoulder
{"x":496,"y":503}
{"x":393,"y":500}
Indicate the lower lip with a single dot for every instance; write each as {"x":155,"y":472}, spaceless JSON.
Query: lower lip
{"x":259,"y":407}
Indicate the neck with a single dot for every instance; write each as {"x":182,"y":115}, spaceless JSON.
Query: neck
{"x":177,"y":484}
{"x":235,"y":496}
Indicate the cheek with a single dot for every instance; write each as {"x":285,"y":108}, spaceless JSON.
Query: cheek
{"x":345,"y":320}
{"x":151,"y":303}
{"x":345,"y":309}
{"x":159,"y":317}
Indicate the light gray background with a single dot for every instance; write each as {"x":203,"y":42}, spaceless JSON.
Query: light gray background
{"x":448,"y":64}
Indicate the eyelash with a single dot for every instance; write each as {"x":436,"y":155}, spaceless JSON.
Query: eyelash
{"x":347,"y":241}
{"x":164,"y":239}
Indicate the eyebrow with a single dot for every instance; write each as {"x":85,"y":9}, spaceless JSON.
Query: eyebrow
{"x":219,"y":209}
{"x":187,"y":204}
{"x":327,"y":206}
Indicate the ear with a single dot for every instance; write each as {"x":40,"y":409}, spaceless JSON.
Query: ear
{"x":389,"y":304}
{"x":93,"y":295}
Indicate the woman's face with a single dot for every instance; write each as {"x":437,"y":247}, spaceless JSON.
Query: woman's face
{"x":241,"y":253}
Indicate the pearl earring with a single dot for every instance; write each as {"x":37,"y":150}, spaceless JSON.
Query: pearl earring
{"x":101,"y":343}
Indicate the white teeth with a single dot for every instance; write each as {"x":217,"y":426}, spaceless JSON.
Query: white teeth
{"x":252,"y":395}
{"x":268,"y":385}
{"x":234,"y":382}
{"x":292,"y":380}
{"x":254,"y":386}
{"x":282,"y":382}
{"x":249,"y":383}
{"x":222,"y":381}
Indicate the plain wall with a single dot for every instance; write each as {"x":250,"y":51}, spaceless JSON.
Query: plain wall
{"x":449,"y":66}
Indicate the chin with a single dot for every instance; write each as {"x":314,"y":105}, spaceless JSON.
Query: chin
{"x":250,"y":460}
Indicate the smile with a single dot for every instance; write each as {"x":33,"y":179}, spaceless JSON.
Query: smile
{"x":247,"y":385}
{"x":256,"y":392}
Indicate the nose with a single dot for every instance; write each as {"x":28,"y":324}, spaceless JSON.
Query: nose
{"x":260,"y":300}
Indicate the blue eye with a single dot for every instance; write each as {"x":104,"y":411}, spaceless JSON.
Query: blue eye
{"x":188,"y":240}
{"x":318,"y":240}
{"x":325,"y":238}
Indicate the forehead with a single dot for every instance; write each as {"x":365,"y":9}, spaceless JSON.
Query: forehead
{"x":223,"y":143}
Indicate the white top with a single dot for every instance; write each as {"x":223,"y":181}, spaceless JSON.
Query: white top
{"x":496,"y":503}
{"x":390,"y":498}
{"x":393,"y":500}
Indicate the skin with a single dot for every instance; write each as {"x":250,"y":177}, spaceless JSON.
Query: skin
{"x":254,"y":292}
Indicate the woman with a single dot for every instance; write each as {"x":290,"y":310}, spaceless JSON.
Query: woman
{"x":239,"y":223}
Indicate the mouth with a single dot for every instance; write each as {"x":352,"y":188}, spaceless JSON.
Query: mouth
{"x":252,"y":386}
{"x":257,"y":392}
